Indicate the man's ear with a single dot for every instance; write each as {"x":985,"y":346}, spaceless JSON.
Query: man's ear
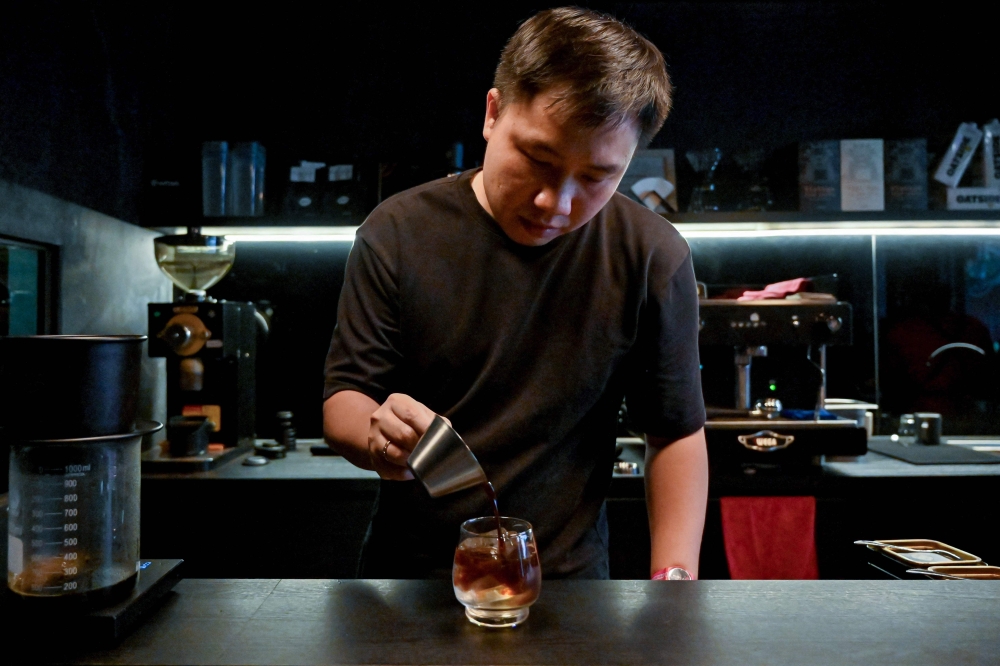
{"x":492,"y":112}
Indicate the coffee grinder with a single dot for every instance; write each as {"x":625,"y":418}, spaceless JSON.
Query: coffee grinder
{"x":210,"y":347}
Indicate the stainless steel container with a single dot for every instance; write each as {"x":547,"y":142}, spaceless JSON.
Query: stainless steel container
{"x":862,"y":413}
{"x":443,"y":462}
{"x":928,"y":428}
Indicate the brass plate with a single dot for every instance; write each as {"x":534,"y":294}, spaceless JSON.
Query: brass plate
{"x":915,"y":559}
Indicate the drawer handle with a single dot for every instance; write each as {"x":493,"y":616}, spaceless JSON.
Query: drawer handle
{"x":766,"y":441}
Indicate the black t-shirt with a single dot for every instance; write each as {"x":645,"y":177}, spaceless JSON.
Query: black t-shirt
{"x":528,"y":350}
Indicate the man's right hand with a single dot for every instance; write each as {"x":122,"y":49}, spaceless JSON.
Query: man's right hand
{"x":373,"y":436}
{"x":396,"y":427}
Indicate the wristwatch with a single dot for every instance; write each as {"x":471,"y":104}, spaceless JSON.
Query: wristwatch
{"x":673,"y":573}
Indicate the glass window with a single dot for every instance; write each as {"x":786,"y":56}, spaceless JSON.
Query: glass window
{"x":23,"y":270}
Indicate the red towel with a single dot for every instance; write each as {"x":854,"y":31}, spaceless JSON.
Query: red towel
{"x":776,"y":290}
{"x":770,"y":538}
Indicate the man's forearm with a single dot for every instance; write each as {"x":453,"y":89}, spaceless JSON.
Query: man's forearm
{"x":346,"y":419}
{"x":676,"y":476}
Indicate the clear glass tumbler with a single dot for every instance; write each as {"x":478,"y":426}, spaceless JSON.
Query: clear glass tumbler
{"x":245,"y":179}
{"x":497,"y":578}
{"x":214,"y":155}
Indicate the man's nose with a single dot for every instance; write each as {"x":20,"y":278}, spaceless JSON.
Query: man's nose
{"x":556,"y":200}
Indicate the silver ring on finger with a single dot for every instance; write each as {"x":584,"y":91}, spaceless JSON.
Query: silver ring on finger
{"x":385,"y":450}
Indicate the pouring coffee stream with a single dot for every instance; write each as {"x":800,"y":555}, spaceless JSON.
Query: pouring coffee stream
{"x":443,"y":462}
{"x":491,"y":493}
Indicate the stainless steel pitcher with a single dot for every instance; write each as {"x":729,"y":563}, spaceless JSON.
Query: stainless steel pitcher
{"x":443,"y":462}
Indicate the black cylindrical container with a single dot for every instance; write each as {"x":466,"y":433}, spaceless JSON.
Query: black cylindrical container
{"x":66,"y":386}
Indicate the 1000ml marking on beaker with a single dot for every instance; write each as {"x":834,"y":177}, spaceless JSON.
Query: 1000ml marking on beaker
{"x":53,"y":562}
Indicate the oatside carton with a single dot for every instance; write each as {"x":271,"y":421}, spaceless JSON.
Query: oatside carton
{"x":991,"y":153}
{"x":973,"y":198}
{"x":956,"y":159}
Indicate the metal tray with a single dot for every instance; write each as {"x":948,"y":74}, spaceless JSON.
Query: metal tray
{"x":752,"y":423}
{"x":914,"y":560}
{"x":970,"y":571}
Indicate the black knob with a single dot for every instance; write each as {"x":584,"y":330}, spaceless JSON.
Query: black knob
{"x":176,"y":335}
{"x":269,"y":450}
{"x":288,"y":438}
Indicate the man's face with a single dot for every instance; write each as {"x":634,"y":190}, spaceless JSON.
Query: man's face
{"x":544,"y":176}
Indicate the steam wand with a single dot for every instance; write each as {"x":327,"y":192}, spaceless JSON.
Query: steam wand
{"x":743,"y":359}
{"x":821,"y":366}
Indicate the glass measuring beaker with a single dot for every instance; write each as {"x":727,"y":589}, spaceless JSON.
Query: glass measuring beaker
{"x":74,"y":516}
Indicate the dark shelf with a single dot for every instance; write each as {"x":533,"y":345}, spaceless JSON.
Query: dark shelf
{"x":680,"y":218}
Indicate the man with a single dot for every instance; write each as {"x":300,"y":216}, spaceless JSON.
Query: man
{"x":522,"y":301}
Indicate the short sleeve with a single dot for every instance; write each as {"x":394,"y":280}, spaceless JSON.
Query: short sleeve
{"x":664,"y":395}
{"x":364,"y":353}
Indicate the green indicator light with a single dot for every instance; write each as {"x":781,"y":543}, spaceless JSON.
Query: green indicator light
{"x":156,"y":314}
{"x":773,"y":387}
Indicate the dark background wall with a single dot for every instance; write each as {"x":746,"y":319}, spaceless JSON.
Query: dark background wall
{"x":102,"y":275}
{"x":299,"y":284}
{"x":100,"y":99}
{"x":97,"y":99}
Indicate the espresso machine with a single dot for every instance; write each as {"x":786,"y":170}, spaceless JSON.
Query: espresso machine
{"x":210,"y":348}
{"x":761,"y":431}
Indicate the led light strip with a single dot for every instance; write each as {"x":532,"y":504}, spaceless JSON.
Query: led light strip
{"x":311,"y":237}
{"x":828,"y":229}
{"x":690,"y":230}
{"x":276,"y":234}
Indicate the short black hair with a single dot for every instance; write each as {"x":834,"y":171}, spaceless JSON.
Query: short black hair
{"x":600,"y":69}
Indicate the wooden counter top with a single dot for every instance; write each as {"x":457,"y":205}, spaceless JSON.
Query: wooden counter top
{"x":704,"y":622}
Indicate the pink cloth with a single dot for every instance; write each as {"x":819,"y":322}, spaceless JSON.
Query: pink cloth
{"x":770,"y":538}
{"x":776,"y":290}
